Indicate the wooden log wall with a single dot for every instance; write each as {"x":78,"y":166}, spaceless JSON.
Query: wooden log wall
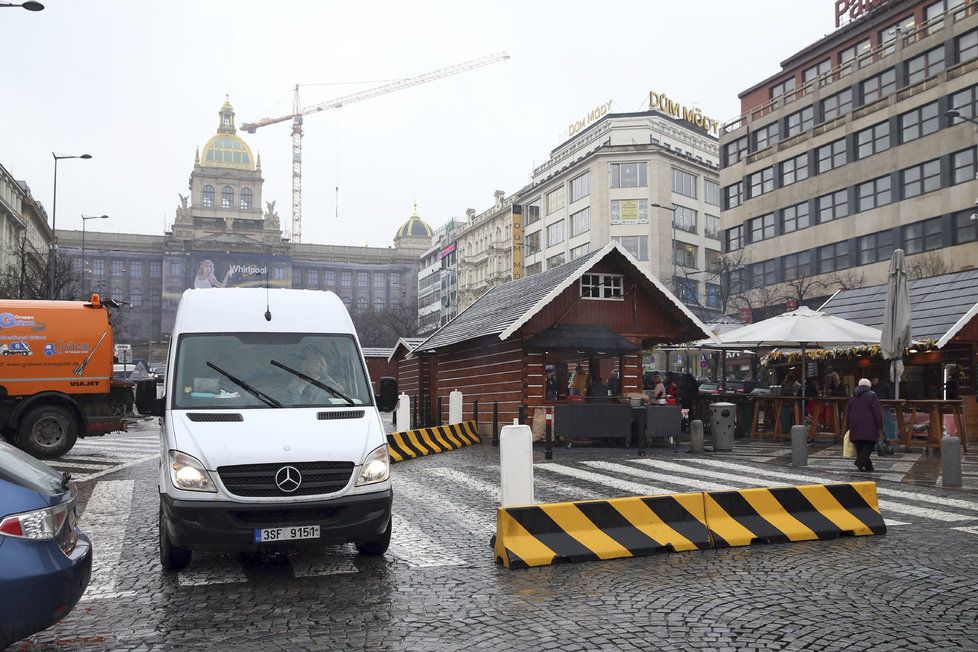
{"x":483,"y":369}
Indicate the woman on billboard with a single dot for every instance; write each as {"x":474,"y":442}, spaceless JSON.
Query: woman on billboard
{"x":205,"y":276}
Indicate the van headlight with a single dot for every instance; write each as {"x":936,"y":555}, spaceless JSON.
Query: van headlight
{"x":376,"y":467}
{"x":189,"y":474}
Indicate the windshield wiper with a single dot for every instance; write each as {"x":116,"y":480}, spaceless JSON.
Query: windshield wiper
{"x":312,"y":381}
{"x":257,"y":393}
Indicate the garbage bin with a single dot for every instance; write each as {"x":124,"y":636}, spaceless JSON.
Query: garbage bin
{"x":722,"y":418}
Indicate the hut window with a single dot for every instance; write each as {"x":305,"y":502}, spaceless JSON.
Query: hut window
{"x":602,"y":286}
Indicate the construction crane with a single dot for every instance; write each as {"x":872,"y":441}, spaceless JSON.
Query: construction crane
{"x":299,"y":112}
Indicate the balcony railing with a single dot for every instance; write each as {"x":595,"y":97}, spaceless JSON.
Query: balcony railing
{"x":843,"y":70}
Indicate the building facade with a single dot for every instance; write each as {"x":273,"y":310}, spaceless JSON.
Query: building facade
{"x":485,"y":249}
{"x":648,"y":180}
{"x":25,"y":234}
{"x":438,"y":278}
{"x":223,"y":237}
{"x":849,"y":153}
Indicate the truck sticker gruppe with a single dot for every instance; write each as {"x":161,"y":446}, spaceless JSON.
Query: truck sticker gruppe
{"x":9,"y":320}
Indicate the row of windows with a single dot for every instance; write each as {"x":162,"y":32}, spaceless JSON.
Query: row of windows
{"x":870,"y":90}
{"x":909,"y":182}
{"x":623,"y":212}
{"x":919,"y":237}
{"x":623,"y":175}
{"x":904,"y":128}
{"x":130,"y":268}
{"x":328,"y":277}
{"x":227,"y":197}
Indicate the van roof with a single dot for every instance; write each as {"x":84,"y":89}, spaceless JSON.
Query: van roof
{"x":224,"y":310}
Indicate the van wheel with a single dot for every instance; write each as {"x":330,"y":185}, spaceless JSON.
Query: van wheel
{"x":48,"y":432}
{"x":375,"y":547}
{"x":172,"y":557}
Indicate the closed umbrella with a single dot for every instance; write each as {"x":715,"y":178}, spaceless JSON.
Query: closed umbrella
{"x":896,"y":318}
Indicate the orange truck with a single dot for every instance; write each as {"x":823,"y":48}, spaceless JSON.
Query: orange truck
{"x":56,"y":375}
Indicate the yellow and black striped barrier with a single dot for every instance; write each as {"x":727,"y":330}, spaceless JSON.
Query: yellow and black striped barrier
{"x":782,"y":514}
{"x":426,"y":441}
{"x":538,"y":535}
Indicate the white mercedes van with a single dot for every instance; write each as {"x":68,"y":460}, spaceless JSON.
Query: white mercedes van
{"x":270,"y":434}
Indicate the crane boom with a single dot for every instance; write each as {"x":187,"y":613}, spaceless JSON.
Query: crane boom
{"x":298,"y":112}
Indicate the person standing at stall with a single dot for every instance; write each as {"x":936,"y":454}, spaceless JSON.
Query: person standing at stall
{"x":865,"y":419}
{"x":884,"y":391}
{"x":614,"y":383}
{"x":579,"y":383}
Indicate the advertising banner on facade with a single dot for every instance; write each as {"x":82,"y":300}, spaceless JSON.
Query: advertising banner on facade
{"x":202,"y":270}
{"x":629,"y":211}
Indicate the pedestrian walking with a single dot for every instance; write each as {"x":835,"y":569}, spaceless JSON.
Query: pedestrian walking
{"x":865,"y":419}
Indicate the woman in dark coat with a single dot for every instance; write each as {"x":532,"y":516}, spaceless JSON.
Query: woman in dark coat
{"x":865,"y":419}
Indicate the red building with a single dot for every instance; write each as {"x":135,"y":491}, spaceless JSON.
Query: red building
{"x":599,"y":311}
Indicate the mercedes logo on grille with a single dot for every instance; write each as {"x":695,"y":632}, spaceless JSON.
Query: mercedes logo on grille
{"x":288,"y":479}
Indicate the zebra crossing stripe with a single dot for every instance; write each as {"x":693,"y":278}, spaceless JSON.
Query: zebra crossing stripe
{"x":426,"y":441}
{"x":598,"y":478}
{"x":660,"y":477}
{"x":413,"y":546}
{"x":104,"y":521}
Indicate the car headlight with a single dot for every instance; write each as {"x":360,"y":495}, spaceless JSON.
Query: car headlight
{"x":376,"y":467}
{"x":189,"y":474}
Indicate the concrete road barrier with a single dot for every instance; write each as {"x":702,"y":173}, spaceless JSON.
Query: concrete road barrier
{"x":539,"y":535}
{"x":782,"y":514}
{"x":427,"y":441}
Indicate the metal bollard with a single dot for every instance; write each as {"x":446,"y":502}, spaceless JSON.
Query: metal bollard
{"x":495,"y":423}
{"x":438,"y":418}
{"x":799,"y":446}
{"x":522,"y":414}
{"x":951,"y":462}
{"x":475,"y":411}
{"x":696,"y":436}
{"x":549,"y":451}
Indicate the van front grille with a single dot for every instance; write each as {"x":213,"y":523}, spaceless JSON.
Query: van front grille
{"x":258,"y":480}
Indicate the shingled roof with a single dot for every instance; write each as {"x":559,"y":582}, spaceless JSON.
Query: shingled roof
{"x":939,"y":305}
{"x":506,"y":307}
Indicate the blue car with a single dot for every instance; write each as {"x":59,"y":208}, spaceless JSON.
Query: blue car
{"x":45,"y":560}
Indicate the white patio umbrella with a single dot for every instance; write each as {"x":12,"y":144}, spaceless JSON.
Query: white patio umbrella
{"x":896,"y":318}
{"x":802,"y":328}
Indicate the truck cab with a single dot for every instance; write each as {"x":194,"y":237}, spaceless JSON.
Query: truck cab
{"x":270,"y":434}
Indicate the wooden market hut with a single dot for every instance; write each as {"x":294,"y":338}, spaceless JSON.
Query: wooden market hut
{"x":601,"y":307}
{"x":944,"y":313}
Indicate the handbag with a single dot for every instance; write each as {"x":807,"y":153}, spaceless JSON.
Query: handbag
{"x":848,"y":448}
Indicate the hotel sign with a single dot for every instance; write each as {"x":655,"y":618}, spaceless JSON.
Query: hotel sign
{"x":596,"y":113}
{"x":662,"y":103}
{"x":847,"y":11}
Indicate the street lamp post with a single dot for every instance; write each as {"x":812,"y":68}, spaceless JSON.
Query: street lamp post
{"x":85,"y":219}
{"x":952,"y":115}
{"x":53,"y":249}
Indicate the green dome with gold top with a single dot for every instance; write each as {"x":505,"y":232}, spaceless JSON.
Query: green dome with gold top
{"x":226,"y":149}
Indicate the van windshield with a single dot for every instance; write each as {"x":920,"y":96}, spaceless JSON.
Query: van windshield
{"x":255,"y":370}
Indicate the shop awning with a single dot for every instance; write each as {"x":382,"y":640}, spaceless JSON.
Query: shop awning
{"x":576,"y":337}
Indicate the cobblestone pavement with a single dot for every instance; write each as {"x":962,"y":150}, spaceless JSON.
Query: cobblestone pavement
{"x":438,"y":589}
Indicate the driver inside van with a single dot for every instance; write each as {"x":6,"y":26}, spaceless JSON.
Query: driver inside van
{"x":316,"y":365}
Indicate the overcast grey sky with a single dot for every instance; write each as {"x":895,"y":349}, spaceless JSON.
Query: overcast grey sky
{"x":139,"y":84}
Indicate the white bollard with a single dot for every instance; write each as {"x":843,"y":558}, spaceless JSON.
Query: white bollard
{"x":455,"y":407}
{"x":403,"y":412}
{"x":516,"y":465}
